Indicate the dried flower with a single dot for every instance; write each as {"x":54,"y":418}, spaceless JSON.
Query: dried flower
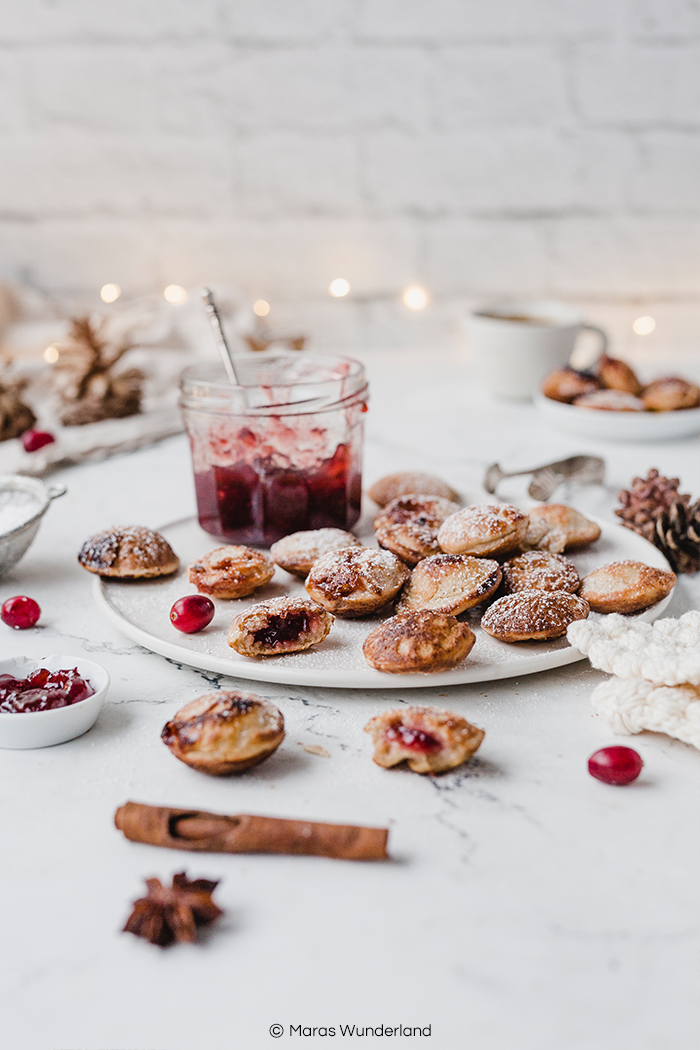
{"x":85,"y":375}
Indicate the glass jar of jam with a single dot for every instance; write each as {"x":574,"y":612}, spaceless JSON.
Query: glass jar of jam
{"x":282,"y":451}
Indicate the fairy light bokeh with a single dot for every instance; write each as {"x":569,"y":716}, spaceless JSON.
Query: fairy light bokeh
{"x":175,"y":293}
{"x":644,"y":325}
{"x":109,"y":293}
{"x":339,"y":287}
{"x":415,"y":297}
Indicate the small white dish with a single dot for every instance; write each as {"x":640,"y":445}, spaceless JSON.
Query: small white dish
{"x":619,"y":426}
{"x":28,"y":729}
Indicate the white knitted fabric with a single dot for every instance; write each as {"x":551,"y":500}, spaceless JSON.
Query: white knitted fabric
{"x":657,"y":669}
{"x":632,"y":705}
{"x":666,"y":652}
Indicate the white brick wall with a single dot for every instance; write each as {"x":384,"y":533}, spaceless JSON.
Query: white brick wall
{"x":482,"y":147}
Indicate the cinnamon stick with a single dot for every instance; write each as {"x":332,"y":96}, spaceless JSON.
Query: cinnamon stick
{"x":218,"y":833}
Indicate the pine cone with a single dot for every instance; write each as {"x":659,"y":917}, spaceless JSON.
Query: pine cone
{"x":646,"y":500}
{"x":677,"y":535}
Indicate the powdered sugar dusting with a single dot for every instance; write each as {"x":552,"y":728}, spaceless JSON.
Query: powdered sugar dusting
{"x":304,"y":548}
{"x":541,"y":571}
{"x":137,"y":547}
{"x":362,"y":569}
{"x":479,"y":524}
{"x":16,"y":508}
{"x":534,"y":611}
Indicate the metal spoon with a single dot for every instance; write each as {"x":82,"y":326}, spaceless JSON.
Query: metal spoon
{"x":545,"y":479}
{"x":219,"y":335}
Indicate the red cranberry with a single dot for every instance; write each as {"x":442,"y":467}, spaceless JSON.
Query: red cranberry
{"x":192,"y":613}
{"x":33,"y":440}
{"x":20,"y":612}
{"x":615,"y":765}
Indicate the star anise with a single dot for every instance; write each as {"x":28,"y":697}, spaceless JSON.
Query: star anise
{"x":169,"y":915}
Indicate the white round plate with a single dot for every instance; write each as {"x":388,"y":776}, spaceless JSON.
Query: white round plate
{"x":619,"y":426}
{"x":140,"y":609}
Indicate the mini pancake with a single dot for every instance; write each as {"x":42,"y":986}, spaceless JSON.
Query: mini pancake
{"x":625,"y":587}
{"x":450,"y":583}
{"x":486,"y":528}
{"x":533,"y":616}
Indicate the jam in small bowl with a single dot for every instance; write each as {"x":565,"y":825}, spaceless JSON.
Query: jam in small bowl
{"x":48,"y":701}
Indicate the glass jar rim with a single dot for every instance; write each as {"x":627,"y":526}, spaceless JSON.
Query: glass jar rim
{"x":279,"y":383}
{"x":212,"y":374}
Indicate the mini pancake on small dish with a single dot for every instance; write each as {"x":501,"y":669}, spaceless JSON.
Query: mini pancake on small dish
{"x":671,"y":394}
{"x":533,"y":616}
{"x":279,"y":625}
{"x":625,"y":587}
{"x":231,"y":572}
{"x":540,"y":571}
{"x":297,"y":552}
{"x":408,"y":482}
{"x":566,"y":384}
{"x":224,"y":732}
{"x":450,"y":583}
{"x":564,"y":528}
{"x":418,"y":642}
{"x":356,"y":581}
{"x":427,"y":739}
{"x":611,"y":401}
{"x":408,"y":526}
{"x":617,"y":375}
{"x":128,"y":552}
{"x":486,"y":528}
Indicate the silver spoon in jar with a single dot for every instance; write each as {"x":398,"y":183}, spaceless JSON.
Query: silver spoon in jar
{"x":220,"y":336}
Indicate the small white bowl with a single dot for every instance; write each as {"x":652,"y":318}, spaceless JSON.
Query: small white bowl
{"x":29,"y":729}
{"x":620,"y":426}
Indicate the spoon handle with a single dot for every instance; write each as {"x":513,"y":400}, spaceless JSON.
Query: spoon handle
{"x":219,"y":335}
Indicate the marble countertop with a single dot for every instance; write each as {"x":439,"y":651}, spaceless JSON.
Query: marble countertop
{"x":526,"y":905}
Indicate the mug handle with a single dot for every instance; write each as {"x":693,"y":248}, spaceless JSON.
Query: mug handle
{"x":603,"y":336}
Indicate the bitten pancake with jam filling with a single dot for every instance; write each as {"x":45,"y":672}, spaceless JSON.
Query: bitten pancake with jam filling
{"x":279,"y":625}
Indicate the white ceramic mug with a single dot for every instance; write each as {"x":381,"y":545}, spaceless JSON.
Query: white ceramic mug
{"x":516,"y":344}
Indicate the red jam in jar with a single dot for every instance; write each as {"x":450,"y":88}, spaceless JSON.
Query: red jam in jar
{"x":42,"y":690}
{"x":280,"y":453}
